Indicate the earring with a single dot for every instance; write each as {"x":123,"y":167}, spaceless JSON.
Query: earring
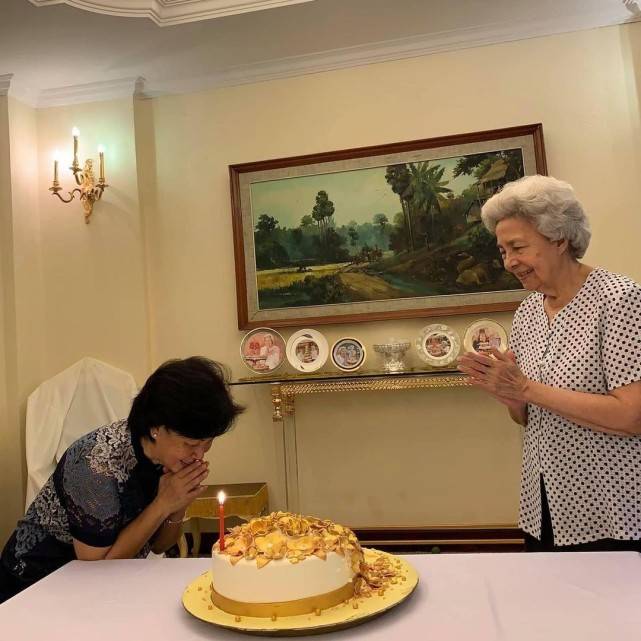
{"x":154,"y":434}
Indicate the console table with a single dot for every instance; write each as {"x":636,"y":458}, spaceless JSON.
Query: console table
{"x":285,"y":389}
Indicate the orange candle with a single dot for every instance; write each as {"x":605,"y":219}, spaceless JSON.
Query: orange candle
{"x":221,"y":520}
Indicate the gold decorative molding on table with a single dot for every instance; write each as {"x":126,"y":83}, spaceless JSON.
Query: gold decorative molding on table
{"x":244,"y":500}
{"x":285,"y":389}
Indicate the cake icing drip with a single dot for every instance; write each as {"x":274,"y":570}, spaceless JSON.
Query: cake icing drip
{"x":282,"y":535}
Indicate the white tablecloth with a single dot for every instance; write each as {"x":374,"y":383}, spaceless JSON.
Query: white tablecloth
{"x":461,"y":597}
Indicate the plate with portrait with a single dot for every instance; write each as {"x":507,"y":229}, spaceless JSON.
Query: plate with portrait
{"x":483,"y":335}
{"x":307,"y":350}
{"x":348,"y":354}
{"x":438,"y":345}
{"x":262,"y":350}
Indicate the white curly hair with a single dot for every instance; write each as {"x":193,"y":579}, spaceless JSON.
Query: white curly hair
{"x":549,"y":204}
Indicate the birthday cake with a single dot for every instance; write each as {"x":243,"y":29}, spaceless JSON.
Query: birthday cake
{"x":285,"y":565}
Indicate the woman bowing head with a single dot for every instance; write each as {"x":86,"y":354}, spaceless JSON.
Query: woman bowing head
{"x":122,"y":489}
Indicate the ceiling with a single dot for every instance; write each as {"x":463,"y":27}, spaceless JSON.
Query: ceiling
{"x":60,"y":54}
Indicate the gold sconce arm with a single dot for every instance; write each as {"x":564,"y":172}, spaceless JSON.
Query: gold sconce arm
{"x":56,"y":188}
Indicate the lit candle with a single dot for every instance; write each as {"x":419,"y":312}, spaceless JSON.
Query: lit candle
{"x":221,"y":520}
{"x":75,"y":132}
{"x":101,"y":153}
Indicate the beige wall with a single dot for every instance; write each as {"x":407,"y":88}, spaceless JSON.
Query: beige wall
{"x":94,"y":275}
{"x":11,"y":478}
{"x":152,"y":277}
{"x":22,"y":296}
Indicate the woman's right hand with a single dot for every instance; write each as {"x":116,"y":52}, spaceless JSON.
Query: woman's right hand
{"x":176,"y":490}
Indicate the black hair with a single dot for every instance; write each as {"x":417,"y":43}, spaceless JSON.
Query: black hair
{"x":188,"y":396}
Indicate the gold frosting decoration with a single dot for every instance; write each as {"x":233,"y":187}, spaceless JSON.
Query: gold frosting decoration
{"x":282,"y":535}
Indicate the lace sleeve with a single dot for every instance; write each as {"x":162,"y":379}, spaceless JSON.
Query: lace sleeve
{"x":90,"y":495}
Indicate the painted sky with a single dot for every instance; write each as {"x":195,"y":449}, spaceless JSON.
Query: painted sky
{"x":357,"y":195}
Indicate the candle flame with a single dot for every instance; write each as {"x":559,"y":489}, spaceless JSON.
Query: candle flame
{"x":56,"y":155}
{"x":75,"y":132}
{"x":101,"y":149}
{"x":221,"y":497}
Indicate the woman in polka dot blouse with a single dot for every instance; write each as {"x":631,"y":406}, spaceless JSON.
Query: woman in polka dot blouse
{"x":572,"y":377}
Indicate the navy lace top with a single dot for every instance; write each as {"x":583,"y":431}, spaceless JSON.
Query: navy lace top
{"x":102,"y":482}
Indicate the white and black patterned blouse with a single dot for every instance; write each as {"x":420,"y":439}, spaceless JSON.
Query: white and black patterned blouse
{"x":592,"y":479}
{"x":102,"y":482}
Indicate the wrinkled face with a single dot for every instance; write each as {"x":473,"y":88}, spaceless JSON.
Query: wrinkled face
{"x":527,"y":254}
{"x":174,"y":451}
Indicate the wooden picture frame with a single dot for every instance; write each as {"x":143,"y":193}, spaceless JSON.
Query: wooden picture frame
{"x":376,"y":233}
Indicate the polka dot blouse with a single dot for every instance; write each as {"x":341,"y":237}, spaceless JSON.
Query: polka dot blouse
{"x":592,"y":479}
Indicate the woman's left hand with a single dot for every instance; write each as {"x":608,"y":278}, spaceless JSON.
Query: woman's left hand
{"x":498,"y":374}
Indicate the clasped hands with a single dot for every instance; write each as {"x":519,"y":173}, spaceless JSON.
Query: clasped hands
{"x":497,"y":373}
{"x":176,"y":490}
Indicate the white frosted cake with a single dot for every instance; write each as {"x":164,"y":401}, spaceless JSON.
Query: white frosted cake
{"x":285,"y":564}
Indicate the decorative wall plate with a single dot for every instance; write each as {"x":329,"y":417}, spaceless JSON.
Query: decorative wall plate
{"x":307,"y":350}
{"x":483,"y":335}
{"x":438,"y":345}
{"x":348,"y":354}
{"x":262,"y":350}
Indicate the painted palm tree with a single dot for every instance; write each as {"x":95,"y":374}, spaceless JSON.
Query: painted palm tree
{"x":427,"y":185}
{"x":398,"y":178}
{"x":322,"y":212}
{"x":479,"y":164}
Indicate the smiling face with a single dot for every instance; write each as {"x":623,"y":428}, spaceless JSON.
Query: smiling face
{"x":530,"y":256}
{"x":173,"y":450}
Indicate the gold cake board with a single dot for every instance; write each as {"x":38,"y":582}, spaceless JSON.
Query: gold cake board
{"x":197,"y":601}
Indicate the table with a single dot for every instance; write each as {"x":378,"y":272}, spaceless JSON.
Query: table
{"x":461,"y":597}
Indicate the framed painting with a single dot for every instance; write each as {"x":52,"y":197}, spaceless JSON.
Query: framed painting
{"x":375,"y":233}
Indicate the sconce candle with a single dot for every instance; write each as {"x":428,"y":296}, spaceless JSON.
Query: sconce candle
{"x":75,"y":132}
{"x":101,"y":153}
{"x":221,"y":520}
{"x":55,"y":168}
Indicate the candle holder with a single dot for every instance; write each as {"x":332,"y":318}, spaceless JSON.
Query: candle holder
{"x":89,"y":190}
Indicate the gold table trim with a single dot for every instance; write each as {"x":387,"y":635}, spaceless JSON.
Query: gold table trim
{"x":284,"y":393}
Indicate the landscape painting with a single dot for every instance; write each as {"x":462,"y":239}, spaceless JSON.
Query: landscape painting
{"x":386,"y":237}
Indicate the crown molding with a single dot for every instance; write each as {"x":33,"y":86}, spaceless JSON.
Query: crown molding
{"x":387,"y":51}
{"x":89,"y":92}
{"x":171,"y":12}
{"x":9,"y":87}
{"x":371,"y":53}
{"x":5,"y":83}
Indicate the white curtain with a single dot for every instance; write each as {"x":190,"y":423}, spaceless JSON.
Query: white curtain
{"x":87,"y":395}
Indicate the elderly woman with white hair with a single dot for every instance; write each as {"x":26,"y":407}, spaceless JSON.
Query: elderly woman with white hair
{"x":572,"y":377}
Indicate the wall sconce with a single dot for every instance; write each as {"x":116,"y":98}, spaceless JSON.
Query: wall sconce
{"x":88,"y":189}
